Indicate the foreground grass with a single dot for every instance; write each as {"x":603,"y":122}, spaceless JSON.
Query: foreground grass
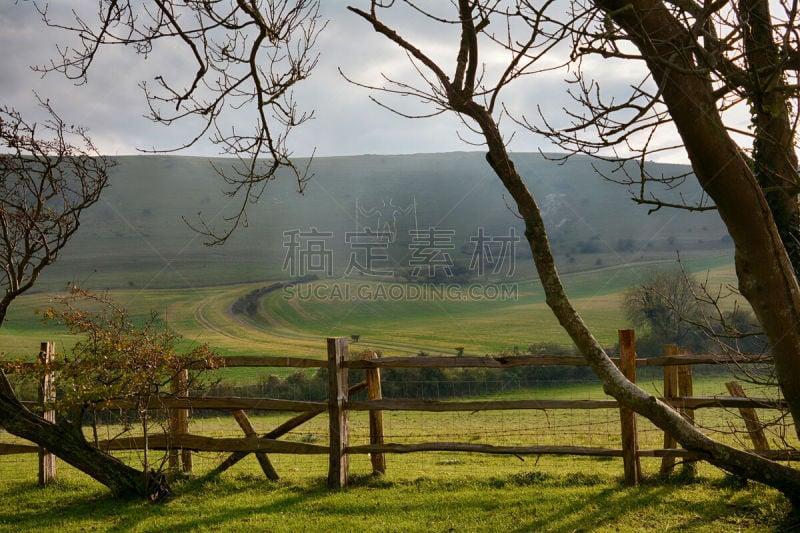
{"x":422,"y":492}
{"x":436,"y":491}
{"x":531,"y":500}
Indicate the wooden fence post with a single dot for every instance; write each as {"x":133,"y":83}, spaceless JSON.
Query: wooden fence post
{"x":630,"y":444}
{"x":751,"y":421}
{"x":375,"y":417}
{"x":670,"y":392}
{"x":686,"y":390}
{"x":179,"y":424}
{"x":338,"y":461}
{"x":47,"y":395}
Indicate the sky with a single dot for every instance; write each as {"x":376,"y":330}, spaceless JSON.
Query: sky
{"x":112,"y":105}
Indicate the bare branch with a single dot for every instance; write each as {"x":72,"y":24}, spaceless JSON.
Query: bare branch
{"x":45,"y":185}
{"x":247,"y":55}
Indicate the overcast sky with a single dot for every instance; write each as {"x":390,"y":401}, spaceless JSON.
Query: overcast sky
{"x":112,"y":106}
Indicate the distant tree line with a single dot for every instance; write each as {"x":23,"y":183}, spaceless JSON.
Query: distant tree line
{"x":421,"y":383}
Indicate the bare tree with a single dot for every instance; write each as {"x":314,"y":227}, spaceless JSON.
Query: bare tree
{"x":245,"y":53}
{"x":705,"y":62}
{"x":683,"y":95}
{"x":49,"y":175}
{"x":668,"y":306}
{"x":45,"y":185}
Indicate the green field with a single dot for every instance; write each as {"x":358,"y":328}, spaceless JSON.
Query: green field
{"x":550,"y":495}
{"x":135,"y":245}
{"x":433,"y":491}
{"x":294,"y":323}
{"x":426,"y":491}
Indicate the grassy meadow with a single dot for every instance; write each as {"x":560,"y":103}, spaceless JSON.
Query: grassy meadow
{"x":421,"y":492}
{"x":566,"y":495}
{"x":137,"y":248}
{"x":432,"y":491}
{"x":294,"y":322}
{"x":467,"y":493}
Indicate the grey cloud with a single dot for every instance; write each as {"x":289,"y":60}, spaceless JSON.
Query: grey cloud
{"x":112,"y":106}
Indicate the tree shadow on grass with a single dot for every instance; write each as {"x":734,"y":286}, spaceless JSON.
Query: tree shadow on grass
{"x":37,"y":508}
{"x":70,"y":506}
{"x":526,"y":501}
{"x":678,"y":503}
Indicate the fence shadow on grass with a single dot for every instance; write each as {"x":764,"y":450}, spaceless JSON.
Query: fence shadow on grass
{"x":528,"y":501}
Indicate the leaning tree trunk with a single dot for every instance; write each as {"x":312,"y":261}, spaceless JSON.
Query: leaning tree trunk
{"x":66,"y":441}
{"x":733,"y":460}
{"x":459,"y":93}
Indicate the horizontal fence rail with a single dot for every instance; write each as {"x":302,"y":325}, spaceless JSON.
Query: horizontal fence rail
{"x":444,"y":362}
{"x":179,"y":442}
{"x":268,"y":404}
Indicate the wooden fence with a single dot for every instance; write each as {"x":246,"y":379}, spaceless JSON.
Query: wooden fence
{"x":677,"y":391}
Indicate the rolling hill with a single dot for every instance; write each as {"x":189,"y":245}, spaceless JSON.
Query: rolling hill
{"x":136,"y":237}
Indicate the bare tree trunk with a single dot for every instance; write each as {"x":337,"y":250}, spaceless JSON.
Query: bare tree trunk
{"x":774,"y":158}
{"x":66,"y":441}
{"x":738,"y":462}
